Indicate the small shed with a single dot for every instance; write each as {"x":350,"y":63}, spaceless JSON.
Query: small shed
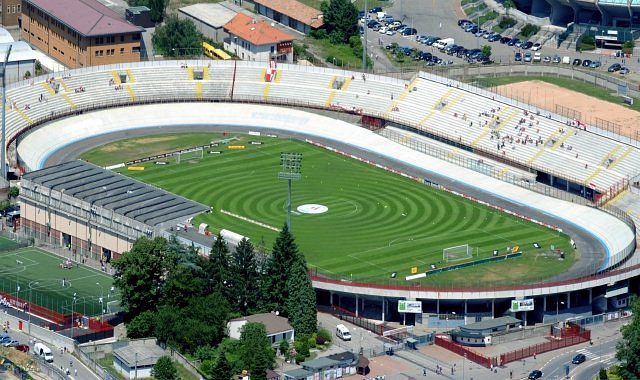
{"x":480,"y":333}
{"x":298,"y":374}
{"x":324,"y":368}
{"x":137,"y":360}
{"x":209,"y":19}
{"x":140,"y":16}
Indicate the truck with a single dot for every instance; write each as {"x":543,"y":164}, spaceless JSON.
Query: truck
{"x":443,"y":43}
{"x":342,"y":332}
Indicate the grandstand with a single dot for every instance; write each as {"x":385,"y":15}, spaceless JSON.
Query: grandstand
{"x":465,"y":121}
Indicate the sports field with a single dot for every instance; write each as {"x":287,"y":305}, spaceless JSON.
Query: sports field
{"x":375,"y":223}
{"x":36,"y":275}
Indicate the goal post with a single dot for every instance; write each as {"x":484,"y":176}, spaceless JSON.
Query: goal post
{"x":457,"y":253}
{"x":189,"y":154}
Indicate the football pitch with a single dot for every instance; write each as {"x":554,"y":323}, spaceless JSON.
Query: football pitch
{"x":352,"y":221}
{"x":36,"y":276}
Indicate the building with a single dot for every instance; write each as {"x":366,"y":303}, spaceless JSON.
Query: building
{"x":254,"y":40}
{"x":140,"y":16}
{"x":21,"y":63}
{"x":10,"y":11}
{"x":209,"y":19}
{"x":278,"y":328}
{"x":93,"y":211}
{"x":291,"y":13}
{"x":617,"y":13}
{"x":137,"y":358}
{"x":80,"y":33}
{"x":480,"y":333}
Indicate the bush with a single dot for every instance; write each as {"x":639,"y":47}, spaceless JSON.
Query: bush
{"x":529,"y":30}
{"x":318,"y":34}
{"x":603,"y":374}
{"x":302,"y":346}
{"x":628,"y":46}
{"x":320,"y":341}
{"x":300,"y":358}
{"x":507,"y":22}
{"x":325,"y":334}
{"x":312,"y":341}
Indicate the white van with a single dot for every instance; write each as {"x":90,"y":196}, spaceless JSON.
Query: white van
{"x":443,"y":43}
{"x":342,"y":332}
{"x":566,"y":60}
{"x":43,"y":351}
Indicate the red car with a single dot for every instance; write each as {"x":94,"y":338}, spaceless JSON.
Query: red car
{"x":22,"y":347}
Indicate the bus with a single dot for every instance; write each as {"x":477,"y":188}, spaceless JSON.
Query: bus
{"x":214,"y":53}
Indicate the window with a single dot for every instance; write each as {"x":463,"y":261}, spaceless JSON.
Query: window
{"x":111,"y":39}
{"x":122,"y":38}
{"x":19,"y":8}
{"x":121,"y":51}
{"x":136,"y":50}
{"x":136,"y":37}
{"x":99,"y":40}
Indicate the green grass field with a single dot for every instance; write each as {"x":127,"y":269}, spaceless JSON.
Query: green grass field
{"x":377,"y":222}
{"x":39,"y":277}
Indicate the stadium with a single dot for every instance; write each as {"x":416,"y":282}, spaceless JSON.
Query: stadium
{"x":432,"y":130}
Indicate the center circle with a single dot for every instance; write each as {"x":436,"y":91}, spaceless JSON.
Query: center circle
{"x":312,"y":209}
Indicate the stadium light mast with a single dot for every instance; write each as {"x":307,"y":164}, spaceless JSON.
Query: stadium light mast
{"x":364,"y":41}
{"x":291,"y":169}
{"x":3,"y":159}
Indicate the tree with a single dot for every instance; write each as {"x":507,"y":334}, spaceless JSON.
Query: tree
{"x":157,"y":7}
{"x":274,"y":294}
{"x":602,"y":374}
{"x":142,"y":326}
{"x":140,"y":275}
{"x":301,"y":302}
{"x":219,"y":266}
{"x":14,"y":191}
{"x":222,"y":370}
{"x":244,"y":266}
{"x":177,"y":38}
{"x":486,"y":51}
{"x":257,"y":354}
{"x":340,"y":19}
{"x":628,"y":349}
{"x":164,"y":369}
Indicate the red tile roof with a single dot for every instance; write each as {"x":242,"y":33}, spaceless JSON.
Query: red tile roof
{"x":87,"y":17}
{"x":296,"y":10}
{"x":254,"y":31}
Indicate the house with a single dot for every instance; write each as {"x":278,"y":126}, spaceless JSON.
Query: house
{"x":254,"y":40}
{"x":480,"y":333}
{"x":137,"y":358}
{"x":278,"y":328}
{"x":80,"y":33}
{"x":208,"y":18}
{"x":291,"y":13}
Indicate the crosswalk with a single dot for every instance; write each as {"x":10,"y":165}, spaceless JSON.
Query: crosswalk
{"x":606,"y":359}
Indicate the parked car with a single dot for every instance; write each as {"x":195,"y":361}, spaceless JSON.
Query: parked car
{"x":537,"y":57}
{"x":537,"y":46}
{"x":624,"y":71}
{"x":22,"y":347}
{"x":513,"y":41}
{"x":580,"y":358}
{"x":429,"y":41}
{"x":470,"y":26}
{"x":463,"y":21}
{"x":504,"y":40}
{"x":487,"y":34}
{"x":528,"y":57}
{"x":494,"y":37}
{"x":485,"y":60}
{"x":375,"y":10}
{"x":425,"y":56}
{"x":556,"y":59}
{"x":518,"y":57}
{"x":577,"y":62}
{"x":480,"y":32}
{"x":614,"y":67}
{"x":4,"y":338}
{"x":546,"y":59}
{"x":527,"y":45}
{"x":409,"y":31}
{"x":390,"y":32}
{"x":535,"y":374}
{"x":519,"y":43}
{"x":11,"y":343}
{"x":595,"y":64}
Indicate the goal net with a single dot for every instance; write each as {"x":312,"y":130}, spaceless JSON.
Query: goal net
{"x":457,"y":253}
{"x":187,"y":155}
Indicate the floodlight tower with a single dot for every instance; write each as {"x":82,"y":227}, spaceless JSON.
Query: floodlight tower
{"x":3,"y":160}
{"x":291,"y":170}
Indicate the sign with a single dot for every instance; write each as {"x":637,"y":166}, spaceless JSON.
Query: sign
{"x":522,"y":305}
{"x":409,"y":306}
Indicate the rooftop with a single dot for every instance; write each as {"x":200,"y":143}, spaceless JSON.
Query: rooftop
{"x":112,"y":191}
{"x":87,"y":17}
{"x":319,"y":363}
{"x":214,"y":15}
{"x":274,"y":324}
{"x":147,"y":355}
{"x":5,"y":36}
{"x":20,"y":51}
{"x":296,"y":10}
{"x":254,"y":31}
{"x":489,"y":324}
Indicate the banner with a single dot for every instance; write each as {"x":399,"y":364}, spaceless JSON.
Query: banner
{"x":522,"y":305}
{"x":409,"y":307}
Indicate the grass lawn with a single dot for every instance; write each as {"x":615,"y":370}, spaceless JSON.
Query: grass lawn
{"x":376,"y":223}
{"x":107,"y":362}
{"x":39,"y":276}
{"x":343,"y":52}
{"x":574,"y":85}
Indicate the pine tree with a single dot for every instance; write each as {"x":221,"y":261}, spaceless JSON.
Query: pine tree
{"x":301,"y":301}
{"x":256,"y":351}
{"x":283,"y":254}
{"x":246,"y":277}
{"x":219,"y":267}
{"x":222,"y":370}
{"x":629,"y":347}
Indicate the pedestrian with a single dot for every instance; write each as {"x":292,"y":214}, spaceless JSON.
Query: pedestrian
{"x":424,"y":372}
{"x":75,"y":373}
{"x":511,"y":374}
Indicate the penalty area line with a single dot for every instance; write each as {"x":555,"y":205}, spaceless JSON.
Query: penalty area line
{"x":257,"y":223}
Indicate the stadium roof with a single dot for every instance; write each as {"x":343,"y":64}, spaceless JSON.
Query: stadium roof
{"x":5,"y":36}
{"x":214,"y":15}
{"x":256,"y":32}
{"x":295,"y":10}
{"x":116,"y":192}
{"x":87,"y":17}
{"x":20,"y":51}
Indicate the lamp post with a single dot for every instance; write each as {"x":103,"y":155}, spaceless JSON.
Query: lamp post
{"x":73,"y":322}
{"x":101,"y":300}
{"x":558,"y":308}
{"x":291,"y":169}
{"x":31,"y":285}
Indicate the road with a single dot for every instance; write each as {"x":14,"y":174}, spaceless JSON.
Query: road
{"x":600,"y":355}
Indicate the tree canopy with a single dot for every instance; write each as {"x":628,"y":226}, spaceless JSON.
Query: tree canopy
{"x":164,"y":369}
{"x":340,"y":19}
{"x":628,"y":350}
{"x":157,"y":7}
{"x":275,"y":292}
{"x":301,"y":304}
{"x":177,"y":38}
{"x":256,"y":351}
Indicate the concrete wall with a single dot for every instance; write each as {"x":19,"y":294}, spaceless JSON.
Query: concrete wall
{"x":51,"y":338}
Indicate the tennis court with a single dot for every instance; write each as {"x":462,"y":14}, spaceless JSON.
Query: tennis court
{"x":41,"y":278}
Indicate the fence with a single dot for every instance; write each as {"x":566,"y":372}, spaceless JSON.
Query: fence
{"x":346,"y":315}
{"x":580,"y":337}
{"x":444,"y":342}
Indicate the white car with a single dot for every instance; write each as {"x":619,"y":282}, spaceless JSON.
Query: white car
{"x":383,"y":30}
{"x":390,"y":32}
{"x":11,"y":343}
{"x":537,"y":46}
